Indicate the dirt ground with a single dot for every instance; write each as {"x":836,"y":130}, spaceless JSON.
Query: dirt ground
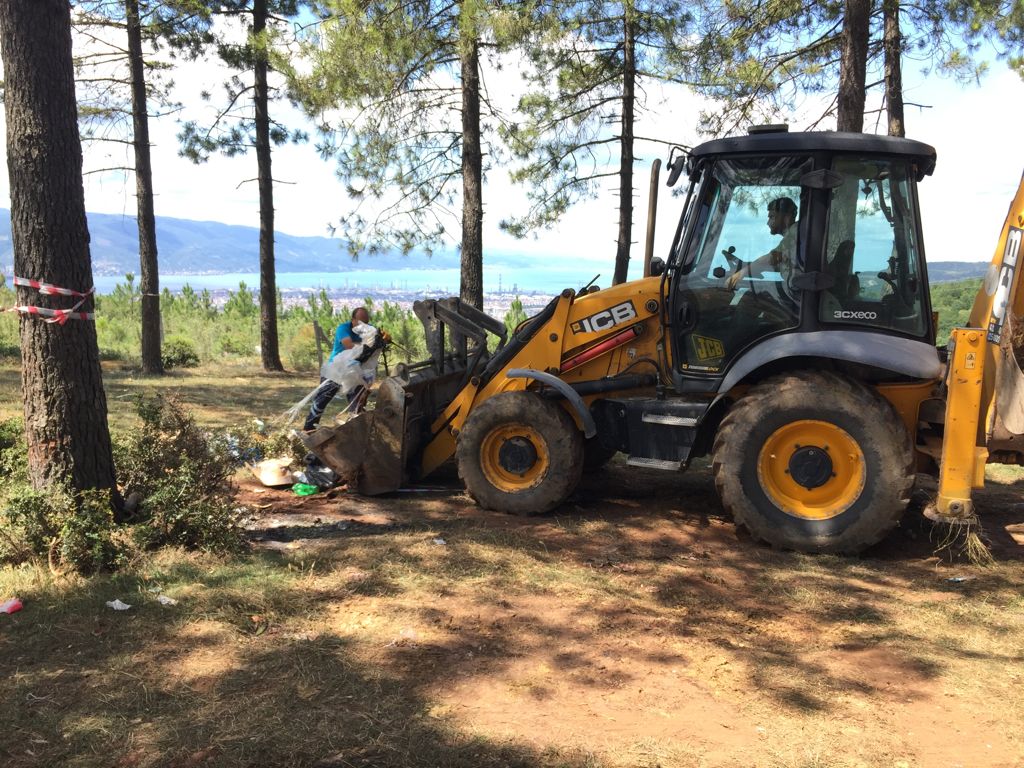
{"x":660,"y":635}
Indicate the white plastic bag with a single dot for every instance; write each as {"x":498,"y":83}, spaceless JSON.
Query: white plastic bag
{"x":346,"y":370}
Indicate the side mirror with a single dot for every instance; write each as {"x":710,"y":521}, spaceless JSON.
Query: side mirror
{"x":718,"y":272}
{"x":657,"y":267}
{"x":675,"y":169}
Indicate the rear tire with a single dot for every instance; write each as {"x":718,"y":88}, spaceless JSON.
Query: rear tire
{"x":521,"y":454}
{"x":814,"y":462}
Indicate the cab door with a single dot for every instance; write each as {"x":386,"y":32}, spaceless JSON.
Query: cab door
{"x":732,"y":281}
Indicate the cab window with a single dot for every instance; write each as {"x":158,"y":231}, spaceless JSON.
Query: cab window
{"x":872,"y":253}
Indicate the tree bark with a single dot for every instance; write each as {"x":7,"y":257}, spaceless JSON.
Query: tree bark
{"x":269,"y":353}
{"x":626,"y":144}
{"x":893,"y":68}
{"x":62,"y":387}
{"x":853,"y":66}
{"x":149,"y":283}
{"x":471,"y":289}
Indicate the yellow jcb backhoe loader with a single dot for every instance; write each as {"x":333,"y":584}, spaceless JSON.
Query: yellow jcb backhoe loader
{"x":807,"y":367}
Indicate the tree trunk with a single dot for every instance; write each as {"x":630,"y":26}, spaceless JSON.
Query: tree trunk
{"x":268,"y":280}
{"x":893,"y":68}
{"x":471,"y":289}
{"x":62,"y":387}
{"x":149,"y":283}
{"x":853,"y":66}
{"x":626,"y":144}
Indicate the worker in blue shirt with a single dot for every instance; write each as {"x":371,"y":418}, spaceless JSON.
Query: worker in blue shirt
{"x":344,"y":338}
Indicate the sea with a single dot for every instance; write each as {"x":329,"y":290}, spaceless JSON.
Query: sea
{"x":548,"y":280}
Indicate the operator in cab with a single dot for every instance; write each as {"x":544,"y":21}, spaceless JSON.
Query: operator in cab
{"x":782,"y":213}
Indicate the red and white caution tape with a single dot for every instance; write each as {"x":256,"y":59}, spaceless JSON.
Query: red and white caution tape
{"x":59,"y":316}
{"x":48,"y":289}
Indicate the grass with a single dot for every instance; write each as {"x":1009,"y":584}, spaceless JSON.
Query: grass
{"x":221,"y":395}
{"x":631,"y":629}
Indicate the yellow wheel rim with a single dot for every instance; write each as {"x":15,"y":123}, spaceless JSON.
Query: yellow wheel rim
{"x":811,"y":469}
{"x":514,"y":457}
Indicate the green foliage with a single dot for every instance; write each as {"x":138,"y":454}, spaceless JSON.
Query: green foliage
{"x":13,"y":454}
{"x":197,"y":331}
{"x":759,"y":60}
{"x":10,"y":344}
{"x":395,"y":71}
{"x":179,"y":352}
{"x":182,"y":476}
{"x":953,"y":302}
{"x":233,"y":131}
{"x":514,"y":316}
{"x":72,"y":531}
{"x":563,"y":141}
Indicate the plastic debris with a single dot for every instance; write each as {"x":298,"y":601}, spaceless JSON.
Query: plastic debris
{"x":961,"y":579}
{"x":304,"y":489}
{"x":11,"y":606}
{"x":165,"y":600}
{"x":440,"y":542}
{"x":274,"y":472}
{"x":117,"y":605}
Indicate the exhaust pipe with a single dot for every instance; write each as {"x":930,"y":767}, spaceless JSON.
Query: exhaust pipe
{"x":652,"y":216}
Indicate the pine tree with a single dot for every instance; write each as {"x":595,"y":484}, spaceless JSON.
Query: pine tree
{"x":760,"y":60}
{"x":117,"y":84}
{"x":65,"y":405}
{"x":235,"y":130}
{"x":400,"y":69}
{"x":597,"y":55}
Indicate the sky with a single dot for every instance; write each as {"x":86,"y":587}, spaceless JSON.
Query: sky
{"x":963,"y":203}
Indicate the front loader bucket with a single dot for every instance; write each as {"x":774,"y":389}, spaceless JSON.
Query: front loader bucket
{"x":380,"y":450}
{"x":367,"y":451}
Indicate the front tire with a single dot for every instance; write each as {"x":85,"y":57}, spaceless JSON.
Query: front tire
{"x":814,"y":462}
{"x":519,"y":453}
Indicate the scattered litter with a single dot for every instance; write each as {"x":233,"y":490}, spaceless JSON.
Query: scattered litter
{"x":320,"y":476}
{"x":304,"y":489}
{"x":117,"y":605}
{"x":261,"y":426}
{"x":165,"y":600}
{"x":155,"y":590}
{"x":961,"y":579}
{"x":342,"y":526}
{"x":273,"y":472}
{"x":440,"y":542}
{"x":11,"y":606}
{"x":405,"y":637}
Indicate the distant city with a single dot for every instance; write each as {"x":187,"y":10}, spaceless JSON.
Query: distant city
{"x":217,"y":257}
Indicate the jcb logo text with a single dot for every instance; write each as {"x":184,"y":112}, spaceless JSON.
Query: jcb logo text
{"x":609,"y":318}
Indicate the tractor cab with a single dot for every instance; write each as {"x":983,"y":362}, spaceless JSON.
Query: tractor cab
{"x":785,"y":238}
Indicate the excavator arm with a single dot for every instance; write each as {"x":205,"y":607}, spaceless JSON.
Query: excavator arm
{"x":984,"y":419}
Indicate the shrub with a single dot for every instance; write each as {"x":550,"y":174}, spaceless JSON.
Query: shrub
{"x":301,"y":349}
{"x":179,"y":352}
{"x":182,"y":475}
{"x":13,"y":454}
{"x":75,"y":531}
{"x":234,"y":343}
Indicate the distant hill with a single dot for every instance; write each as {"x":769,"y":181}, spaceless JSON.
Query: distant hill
{"x":947,"y":271}
{"x":208,"y":247}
